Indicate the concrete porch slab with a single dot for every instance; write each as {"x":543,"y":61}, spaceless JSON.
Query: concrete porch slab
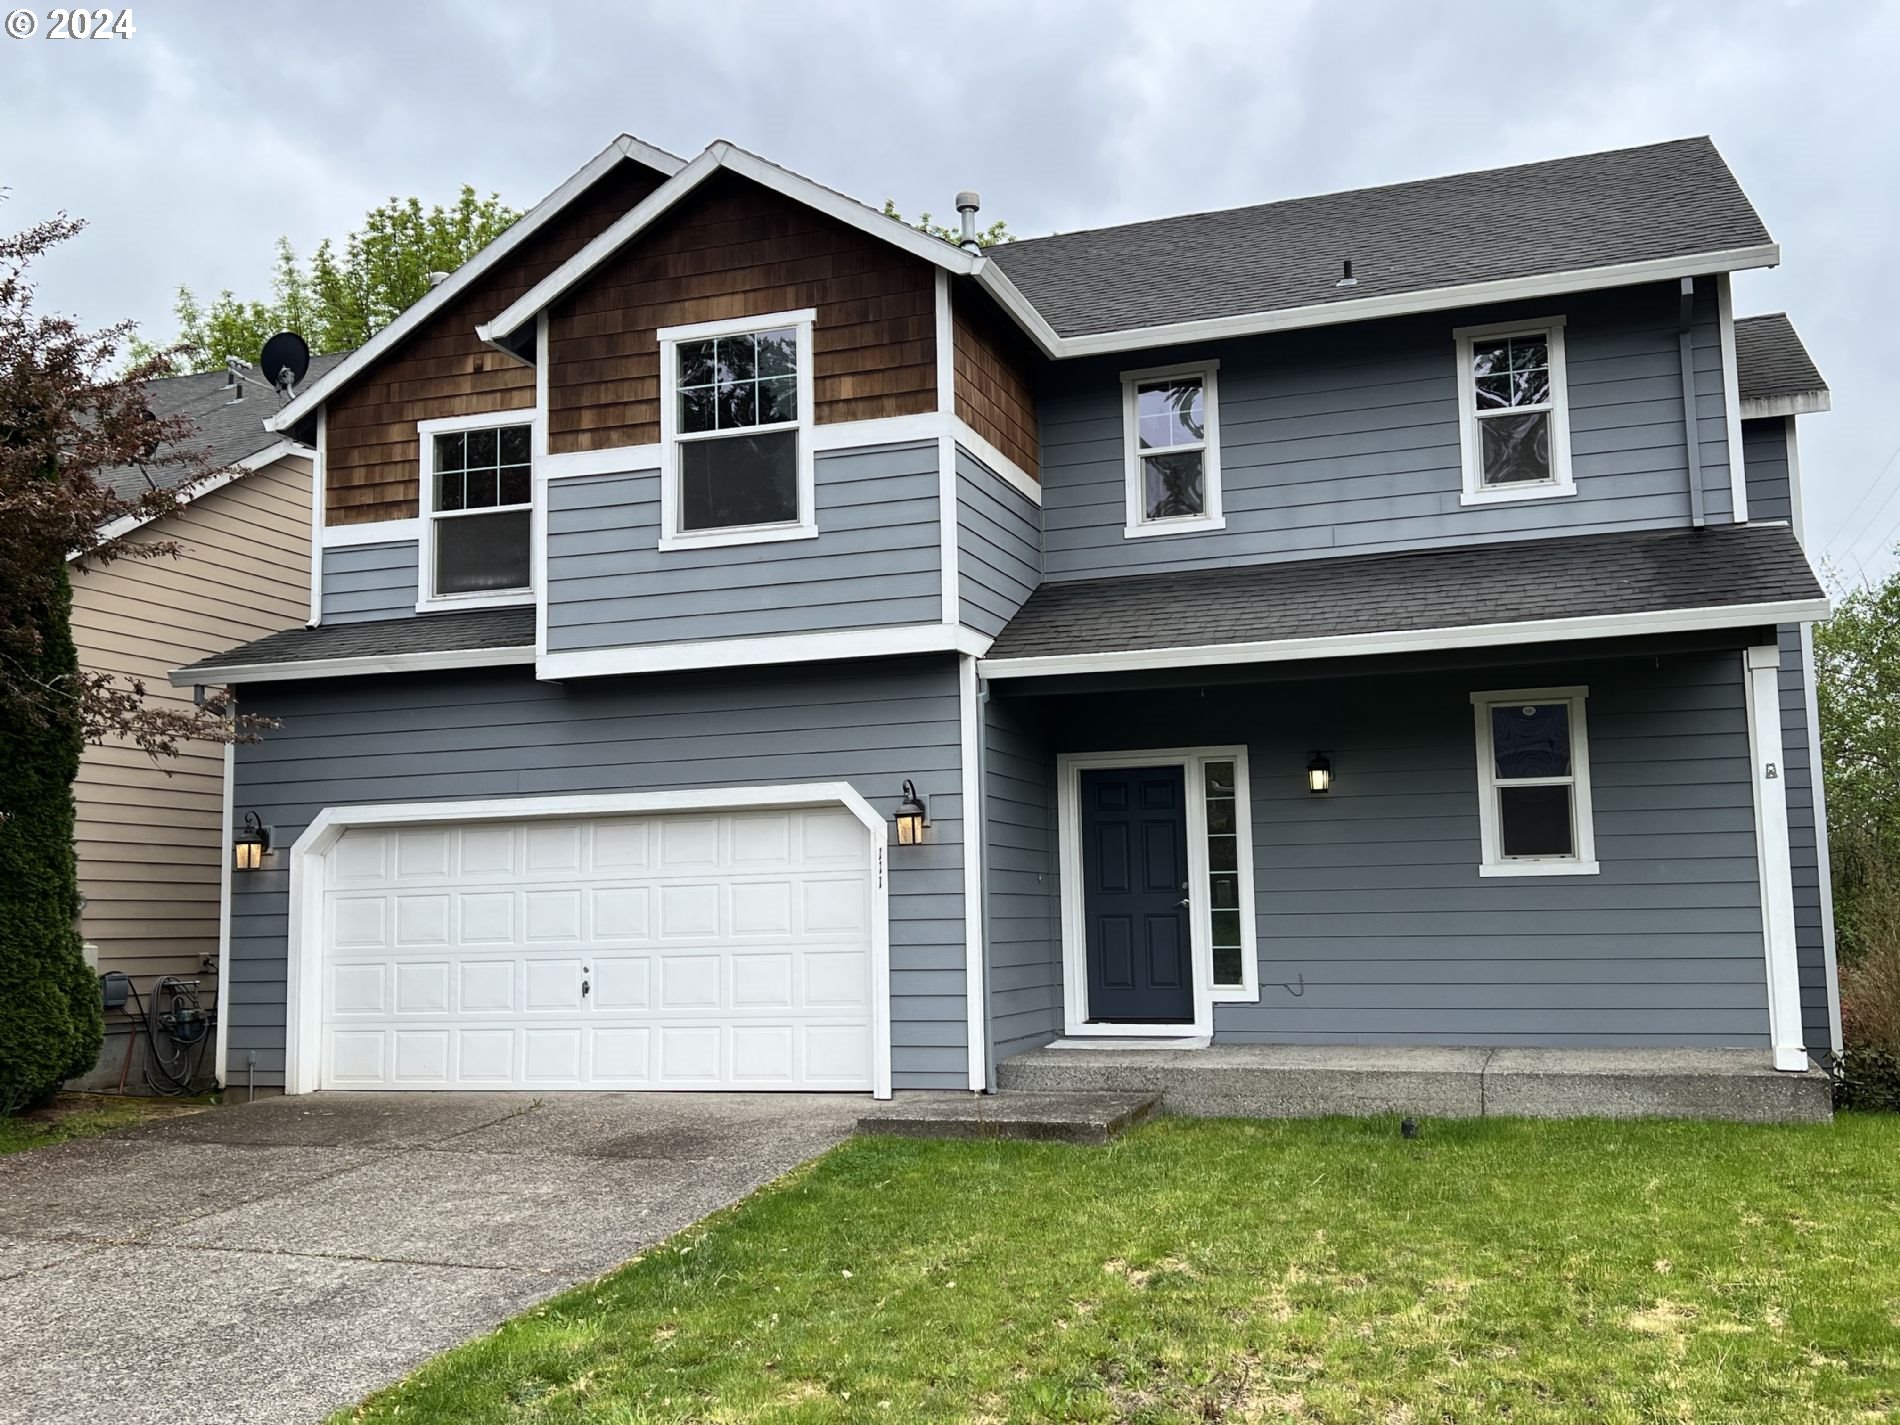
{"x":1022,"y":1114}
{"x":1315,"y":1080}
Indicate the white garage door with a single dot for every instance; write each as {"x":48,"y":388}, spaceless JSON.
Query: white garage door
{"x":727,"y":950}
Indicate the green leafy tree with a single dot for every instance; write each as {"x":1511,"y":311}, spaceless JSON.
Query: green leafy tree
{"x":996,"y":232}
{"x":348,"y":292}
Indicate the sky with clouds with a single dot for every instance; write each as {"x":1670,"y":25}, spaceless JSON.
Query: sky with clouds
{"x":193,"y":144}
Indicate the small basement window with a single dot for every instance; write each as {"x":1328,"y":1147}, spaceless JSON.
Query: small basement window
{"x":1514,"y":408}
{"x":1171,"y":440}
{"x":479,"y":480}
{"x":735,"y":425}
{"x":1534,"y":783}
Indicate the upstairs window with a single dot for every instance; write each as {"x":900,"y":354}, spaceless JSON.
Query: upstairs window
{"x":1171,"y":440}
{"x":1534,"y":783}
{"x":1514,"y":409}
{"x":736,"y":427}
{"x":479,"y":479}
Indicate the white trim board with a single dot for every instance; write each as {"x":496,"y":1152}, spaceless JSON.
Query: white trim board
{"x":976,"y":996}
{"x":1761,"y":685}
{"x":319,"y":511}
{"x":1795,"y":403}
{"x":625,"y":148}
{"x":304,"y":960}
{"x":1069,"y":766}
{"x":434,"y":661}
{"x":357,"y":536}
{"x":768,"y":648}
{"x":1731,"y":399}
{"x":1414,"y":640}
{"x":227,"y":816}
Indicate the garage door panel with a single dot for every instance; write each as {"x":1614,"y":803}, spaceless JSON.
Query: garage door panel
{"x":698,"y":951}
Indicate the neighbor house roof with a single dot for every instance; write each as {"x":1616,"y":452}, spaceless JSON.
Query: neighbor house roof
{"x":1629,"y":207}
{"x":1774,"y":372}
{"x":227,"y":430}
{"x":1518,"y":591}
{"x":472,"y":638}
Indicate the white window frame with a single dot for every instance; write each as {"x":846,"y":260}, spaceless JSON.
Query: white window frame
{"x":1583,"y":861}
{"x":1136,"y":525}
{"x":1562,"y":483}
{"x":427,"y":600}
{"x":1193,"y":762}
{"x":806,"y":525}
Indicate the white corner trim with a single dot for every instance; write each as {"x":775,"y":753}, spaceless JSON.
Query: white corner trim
{"x":1492,"y":860}
{"x":1762,"y":695}
{"x":948,"y":508}
{"x":1731,"y":399}
{"x":319,"y":514}
{"x":768,"y":648}
{"x":227,"y":817}
{"x":1414,"y":640}
{"x":303,"y":979}
{"x":463,"y":277}
{"x":720,"y":155}
{"x":1437,"y":299}
{"x":541,"y":517}
{"x":1135,"y":523}
{"x":1470,"y":439}
{"x":237,"y":470}
{"x":1069,"y":767}
{"x":353,"y":536}
{"x":975,"y":982}
{"x":238,"y":674}
{"x":1795,"y":403}
{"x":1021,"y":480}
{"x":945,"y":328}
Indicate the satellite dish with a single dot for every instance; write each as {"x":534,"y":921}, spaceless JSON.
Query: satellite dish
{"x":285,"y":360}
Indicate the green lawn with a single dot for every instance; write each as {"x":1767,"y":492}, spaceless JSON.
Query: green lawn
{"x":1194,"y":1271}
{"x":75,"y":1115}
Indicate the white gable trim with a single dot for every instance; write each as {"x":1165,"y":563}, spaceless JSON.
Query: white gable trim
{"x":1795,"y":403}
{"x":269,"y":455}
{"x":720,"y":155}
{"x":530,"y":222}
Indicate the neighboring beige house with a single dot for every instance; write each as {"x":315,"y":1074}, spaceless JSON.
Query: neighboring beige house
{"x":151,"y":839}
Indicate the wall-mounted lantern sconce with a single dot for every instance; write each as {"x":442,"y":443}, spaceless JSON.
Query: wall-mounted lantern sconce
{"x":1319,"y":774}
{"x":249,"y":844}
{"x":910,"y":817}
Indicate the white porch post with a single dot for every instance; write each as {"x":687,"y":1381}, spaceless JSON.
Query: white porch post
{"x":1762,"y":686}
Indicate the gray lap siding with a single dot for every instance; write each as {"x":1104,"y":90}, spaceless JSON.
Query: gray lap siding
{"x":498,"y":733}
{"x":362,"y":582}
{"x":1373,"y":924}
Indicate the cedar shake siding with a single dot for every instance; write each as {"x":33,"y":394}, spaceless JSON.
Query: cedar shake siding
{"x":735,"y":249}
{"x":995,"y":377}
{"x":150,"y":842}
{"x":371,"y":458}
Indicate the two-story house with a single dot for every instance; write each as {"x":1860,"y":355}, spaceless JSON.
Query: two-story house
{"x":756,"y":645}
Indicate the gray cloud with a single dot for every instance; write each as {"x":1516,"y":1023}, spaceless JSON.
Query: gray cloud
{"x":216,"y":128}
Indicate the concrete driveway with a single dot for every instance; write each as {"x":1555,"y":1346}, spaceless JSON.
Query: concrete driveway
{"x":274,"y":1261}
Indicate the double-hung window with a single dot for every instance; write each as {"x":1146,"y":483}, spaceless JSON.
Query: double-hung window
{"x":478,"y":490}
{"x":1171,"y":444}
{"x":1514,"y":410}
{"x":735,"y":426}
{"x":1534,"y":783}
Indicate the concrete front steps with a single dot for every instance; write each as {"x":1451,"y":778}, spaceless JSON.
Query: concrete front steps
{"x":1309,"y":1081}
{"x":1027,"y":1115}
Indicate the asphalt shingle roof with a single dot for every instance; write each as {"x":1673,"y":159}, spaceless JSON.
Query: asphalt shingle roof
{"x":1517,"y":581}
{"x":1770,"y":359}
{"x":1629,"y":205}
{"x":225,"y":430}
{"x":378,"y":638}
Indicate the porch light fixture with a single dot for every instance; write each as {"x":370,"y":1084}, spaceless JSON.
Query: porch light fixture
{"x":1319,"y":774}
{"x":910,"y":817}
{"x":250,"y":844}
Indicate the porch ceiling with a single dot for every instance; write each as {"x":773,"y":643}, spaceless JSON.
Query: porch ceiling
{"x":1516,"y":591}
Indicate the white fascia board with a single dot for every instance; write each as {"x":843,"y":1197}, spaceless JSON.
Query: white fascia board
{"x":269,"y":455}
{"x":1549,"y":284}
{"x":1795,"y":403}
{"x":524,"y":227}
{"x":1009,"y":297}
{"x":717,"y":156}
{"x":1414,"y":640}
{"x":769,"y":648}
{"x":238,"y":674}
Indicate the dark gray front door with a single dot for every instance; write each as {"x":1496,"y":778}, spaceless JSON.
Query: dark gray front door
{"x":1135,"y":896}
